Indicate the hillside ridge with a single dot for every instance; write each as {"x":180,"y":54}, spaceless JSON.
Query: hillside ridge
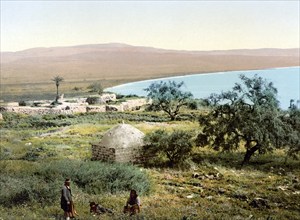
{"x":123,"y":62}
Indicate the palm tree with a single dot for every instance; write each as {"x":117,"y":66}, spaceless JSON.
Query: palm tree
{"x":57,"y":80}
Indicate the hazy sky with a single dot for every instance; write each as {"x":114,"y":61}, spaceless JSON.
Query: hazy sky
{"x":184,"y":25}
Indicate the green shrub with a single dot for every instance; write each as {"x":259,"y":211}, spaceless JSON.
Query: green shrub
{"x":38,"y":153}
{"x":43,"y":183}
{"x":31,"y":155}
{"x":14,"y":120}
{"x":11,"y":119}
{"x":95,"y":177}
{"x":175,"y":146}
{"x":4,"y":153}
{"x":20,"y":190}
{"x":39,"y":122}
{"x":98,"y":177}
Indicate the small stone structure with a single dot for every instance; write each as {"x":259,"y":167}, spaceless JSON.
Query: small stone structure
{"x":78,"y":105}
{"x":121,"y":143}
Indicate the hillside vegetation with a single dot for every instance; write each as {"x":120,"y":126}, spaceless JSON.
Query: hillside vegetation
{"x":38,"y":152}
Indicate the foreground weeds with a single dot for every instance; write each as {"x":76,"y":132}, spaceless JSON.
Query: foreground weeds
{"x":210,"y":191}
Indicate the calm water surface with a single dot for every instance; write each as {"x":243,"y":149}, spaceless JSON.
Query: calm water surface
{"x":286,"y":80}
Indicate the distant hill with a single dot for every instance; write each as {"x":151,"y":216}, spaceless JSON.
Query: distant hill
{"x":121,"y":62}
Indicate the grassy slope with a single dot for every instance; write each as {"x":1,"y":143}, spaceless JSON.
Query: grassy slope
{"x":222,"y":190}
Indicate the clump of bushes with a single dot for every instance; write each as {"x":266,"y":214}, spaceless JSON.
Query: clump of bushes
{"x":39,"y":122}
{"x":38,"y":153}
{"x":49,"y":117}
{"x":163,"y":147}
{"x":109,"y":117}
{"x":20,"y":190}
{"x":95,"y":178}
{"x":43,"y":183}
{"x":15,"y":120}
{"x":4,"y":153}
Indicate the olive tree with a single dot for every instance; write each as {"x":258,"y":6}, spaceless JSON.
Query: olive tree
{"x":168,"y":97}
{"x":292,"y":120}
{"x":247,"y":116}
{"x":57,"y":80}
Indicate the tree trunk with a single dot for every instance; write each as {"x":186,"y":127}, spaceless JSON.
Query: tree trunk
{"x":171,"y":163}
{"x":249,"y":153}
{"x":56,"y":94}
{"x":172,"y":117}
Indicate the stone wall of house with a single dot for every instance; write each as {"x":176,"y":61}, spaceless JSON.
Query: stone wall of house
{"x":103,"y":153}
{"x":126,"y":155}
{"x":122,"y":155}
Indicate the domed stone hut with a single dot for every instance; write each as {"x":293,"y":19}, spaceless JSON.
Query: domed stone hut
{"x":121,"y":143}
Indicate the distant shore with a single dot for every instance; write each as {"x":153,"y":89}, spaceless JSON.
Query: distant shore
{"x":46,"y":90}
{"x":27,"y":74}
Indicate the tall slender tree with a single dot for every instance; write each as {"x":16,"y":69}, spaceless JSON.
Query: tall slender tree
{"x":57,"y":80}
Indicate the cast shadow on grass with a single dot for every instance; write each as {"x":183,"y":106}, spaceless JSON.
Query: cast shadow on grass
{"x":272,"y":162}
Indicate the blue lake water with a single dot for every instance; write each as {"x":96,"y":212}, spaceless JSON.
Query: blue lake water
{"x":286,"y":80}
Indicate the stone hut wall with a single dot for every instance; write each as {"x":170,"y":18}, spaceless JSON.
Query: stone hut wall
{"x":126,"y":155}
{"x":103,"y":153}
{"x":122,"y":155}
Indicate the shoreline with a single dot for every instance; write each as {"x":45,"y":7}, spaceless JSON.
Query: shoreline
{"x":195,"y":74}
{"x":11,"y":92}
{"x":286,"y":81}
